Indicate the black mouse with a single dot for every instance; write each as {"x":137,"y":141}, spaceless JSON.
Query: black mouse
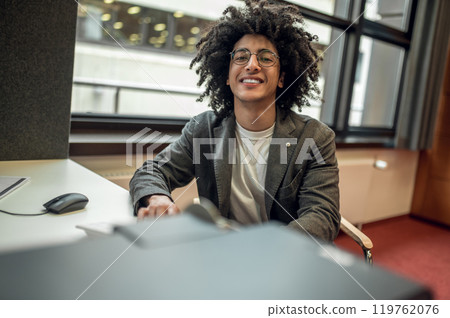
{"x":65,"y":203}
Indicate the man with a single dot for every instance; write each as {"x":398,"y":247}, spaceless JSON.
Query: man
{"x":252,"y":156}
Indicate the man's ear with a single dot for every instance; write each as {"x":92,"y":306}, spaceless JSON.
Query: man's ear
{"x":228,"y":81}
{"x":281,"y":80}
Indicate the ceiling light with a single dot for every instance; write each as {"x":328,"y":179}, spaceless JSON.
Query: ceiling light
{"x":134,"y":10}
{"x":134,"y":37}
{"x":160,"y":27}
{"x":195,"y":30}
{"x":178,"y":14}
{"x":118,"y":25}
{"x":106,"y":17}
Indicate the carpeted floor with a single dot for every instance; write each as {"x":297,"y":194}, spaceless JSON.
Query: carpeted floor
{"x":410,"y":247}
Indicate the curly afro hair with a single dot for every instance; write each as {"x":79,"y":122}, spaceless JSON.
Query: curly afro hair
{"x":283,"y":25}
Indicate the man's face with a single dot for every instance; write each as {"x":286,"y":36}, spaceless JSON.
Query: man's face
{"x":251,"y":83}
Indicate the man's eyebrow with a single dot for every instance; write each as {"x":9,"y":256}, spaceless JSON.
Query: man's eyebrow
{"x":244,"y":48}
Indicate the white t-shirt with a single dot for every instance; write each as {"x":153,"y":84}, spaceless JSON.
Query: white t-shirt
{"x":249,"y":174}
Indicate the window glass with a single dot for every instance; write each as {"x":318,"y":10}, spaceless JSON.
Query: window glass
{"x":376,"y":84}
{"x":337,"y":8}
{"x":393,"y":13}
{"x":111,"y":76}
{"x":330,"y":47}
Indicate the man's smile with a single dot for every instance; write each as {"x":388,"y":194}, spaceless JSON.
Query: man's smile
{"x":251,"y":80}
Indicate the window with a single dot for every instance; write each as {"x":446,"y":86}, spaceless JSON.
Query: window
{"x":374,"y":97}
{"x":337,"y":8}
{"x":393,"y":13}
{"x":330,"y":47}
{"x":132,"y":59}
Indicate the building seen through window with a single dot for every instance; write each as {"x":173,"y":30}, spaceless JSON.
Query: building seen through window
{"x":132,"y":58}
{"x":134,"y":25}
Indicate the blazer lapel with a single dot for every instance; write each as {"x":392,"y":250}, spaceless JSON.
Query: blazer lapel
{"x":280,"y":154}
{"x":224,"y":136}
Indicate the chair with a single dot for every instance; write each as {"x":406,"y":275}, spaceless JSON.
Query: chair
{"x":209,"y":213}
{"x":359,"y":237}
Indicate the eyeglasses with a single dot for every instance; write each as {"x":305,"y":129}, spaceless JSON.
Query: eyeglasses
{"x":266,"y":58}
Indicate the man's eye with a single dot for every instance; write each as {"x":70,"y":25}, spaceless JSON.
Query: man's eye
{"x":240,"y":57}
{"x":267,"y":58}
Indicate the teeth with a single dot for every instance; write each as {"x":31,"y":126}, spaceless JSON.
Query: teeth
{"x":248,"y":80}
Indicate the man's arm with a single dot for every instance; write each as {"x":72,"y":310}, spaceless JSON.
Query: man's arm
{"x":318,"y":195}
{"x":171,"y":168}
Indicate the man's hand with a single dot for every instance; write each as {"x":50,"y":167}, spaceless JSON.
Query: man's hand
{"x":157,"y":205}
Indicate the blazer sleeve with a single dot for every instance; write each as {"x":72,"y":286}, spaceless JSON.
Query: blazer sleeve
{"x":318,"y":196}
{"x":170,"y":169}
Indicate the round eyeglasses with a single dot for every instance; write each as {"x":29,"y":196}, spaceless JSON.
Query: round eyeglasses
{"x":266,"y":58}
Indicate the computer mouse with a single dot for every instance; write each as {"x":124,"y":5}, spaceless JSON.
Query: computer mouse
{"x":65,"y":203}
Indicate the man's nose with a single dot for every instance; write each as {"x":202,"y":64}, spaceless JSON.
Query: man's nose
{"x":253,"y":63}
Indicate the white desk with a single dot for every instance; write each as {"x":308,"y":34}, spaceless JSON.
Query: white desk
{"x":49,"y":178}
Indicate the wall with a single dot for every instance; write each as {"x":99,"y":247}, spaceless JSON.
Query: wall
{"x":369,"y":194}
{"x":36,"y":47}
{"x":432,"y":191}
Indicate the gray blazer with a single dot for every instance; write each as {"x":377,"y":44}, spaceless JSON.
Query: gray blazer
{"x":301,"y":189}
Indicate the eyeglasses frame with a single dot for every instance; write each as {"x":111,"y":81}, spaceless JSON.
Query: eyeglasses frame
{"x":244,"y":49}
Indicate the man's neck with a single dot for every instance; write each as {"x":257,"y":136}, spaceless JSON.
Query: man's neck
{"x":255,"y":118}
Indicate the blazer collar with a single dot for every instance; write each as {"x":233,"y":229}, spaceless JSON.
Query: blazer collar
{"x":280,"y":153}
{"x":222,"y":167}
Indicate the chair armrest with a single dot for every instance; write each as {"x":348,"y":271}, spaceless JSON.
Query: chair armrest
{"x":356,"y":234}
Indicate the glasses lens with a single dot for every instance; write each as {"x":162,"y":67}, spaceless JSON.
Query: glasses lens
{"x":266,"y":58}
{"x":241,"y":56}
